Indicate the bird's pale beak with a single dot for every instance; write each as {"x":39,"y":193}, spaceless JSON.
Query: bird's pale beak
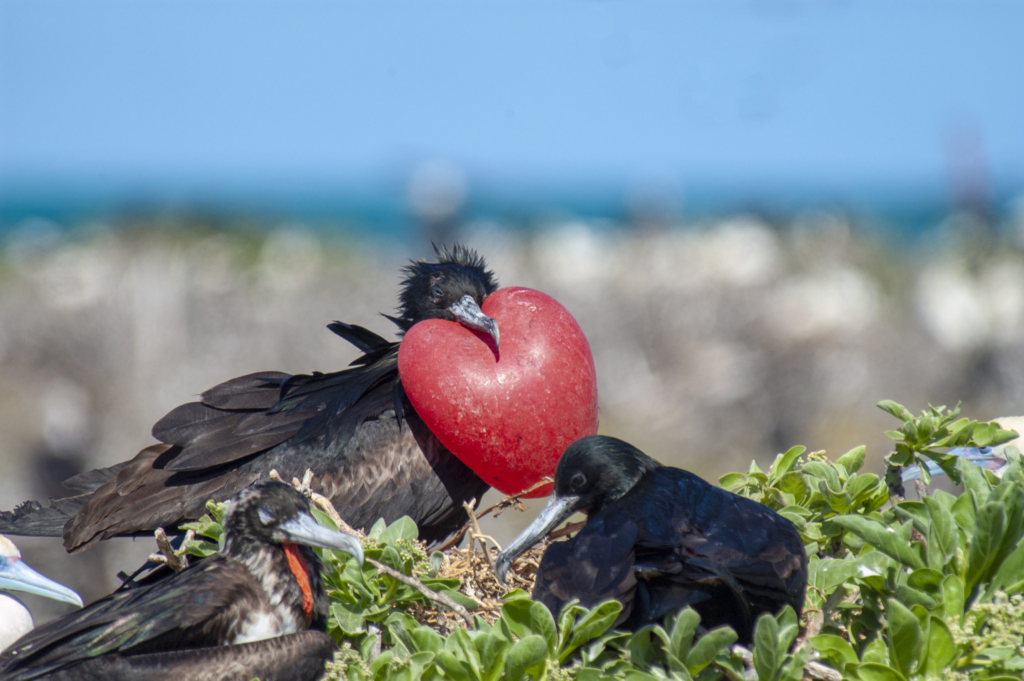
{"x":557,"y":509}
{"x":16,"y":576}
{"x":305,"y":530}
{"x":471,"y":316}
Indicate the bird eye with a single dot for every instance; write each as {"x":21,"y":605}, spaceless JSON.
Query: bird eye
{"x":266,"y":517}
{"x":577,"y":481}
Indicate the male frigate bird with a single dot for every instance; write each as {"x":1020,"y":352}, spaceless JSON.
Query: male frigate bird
{"x":355,"y":429}
{"x":658,"y":539}
{"x":15,"y":575}
{"x":256,"y":609}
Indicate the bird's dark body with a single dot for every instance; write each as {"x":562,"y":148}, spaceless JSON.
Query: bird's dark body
{"x":674,"y":540}
{"x":240,"y":613}
{"x":300,"y":657}
{"x":369,"y":451}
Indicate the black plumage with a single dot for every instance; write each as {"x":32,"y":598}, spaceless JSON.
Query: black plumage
{"x":369,"y":451}
{"x":658,"y":539}
{"x":257,"y":608}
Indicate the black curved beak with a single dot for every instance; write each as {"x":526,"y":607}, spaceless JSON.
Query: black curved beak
{"x":16,"y":576}
{"x":305,"y":530}
{"x":557,"y":510}
{"x":471,"y":316}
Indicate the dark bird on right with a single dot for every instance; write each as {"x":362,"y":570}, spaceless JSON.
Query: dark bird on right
{"x":658,"y":539}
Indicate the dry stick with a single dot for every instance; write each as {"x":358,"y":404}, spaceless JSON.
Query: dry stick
{"x":325,"y":505}
{"x":476,"y":534}
{"x":176,"y":560}
{"x":502,"y":505}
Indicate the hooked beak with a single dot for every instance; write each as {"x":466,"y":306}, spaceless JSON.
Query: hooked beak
{"x":305,"y":530}
{"x":557,"y":509}
{"x":17,"y":576}
{"x":471,"y":316}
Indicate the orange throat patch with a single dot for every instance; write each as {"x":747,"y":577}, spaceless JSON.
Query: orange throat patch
{"x":300,"y":568}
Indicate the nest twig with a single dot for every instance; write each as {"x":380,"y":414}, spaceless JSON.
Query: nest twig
{"x":499,"y":508}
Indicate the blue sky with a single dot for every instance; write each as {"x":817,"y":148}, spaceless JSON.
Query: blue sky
{"x":247,"y":95}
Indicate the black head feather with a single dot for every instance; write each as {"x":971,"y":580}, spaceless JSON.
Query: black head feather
{"x":430,"y":288}
{"x":600,"y":469}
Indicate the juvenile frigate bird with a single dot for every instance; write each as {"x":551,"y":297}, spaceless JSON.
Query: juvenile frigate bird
{"x":258,"y":608}
{"x":15,"y":575}
{"x":658,"y":539}
{"x":355,"y":429}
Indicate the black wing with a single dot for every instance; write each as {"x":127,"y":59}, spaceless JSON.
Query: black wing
{"x":294,"y":657}
{"x":193,"y":608}
{"x":208,"y":442}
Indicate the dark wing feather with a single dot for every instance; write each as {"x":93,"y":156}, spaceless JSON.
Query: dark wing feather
{"x":191,"y":608}
{"x":364,"y":339}
{"x":259,"y":391}
{"x":305,"y":406}
{"x":594,"y":566}
{"x":294,"y":657}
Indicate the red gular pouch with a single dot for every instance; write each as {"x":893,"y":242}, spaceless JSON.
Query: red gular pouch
{"x":507,"y":412}
{"x":300,"y":569}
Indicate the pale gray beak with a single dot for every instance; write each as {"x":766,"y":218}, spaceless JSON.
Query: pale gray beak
{"x":471,"y":316}
{"x":16,"y":576}
{"x":305,"y":530}
{"x":557,"y":510}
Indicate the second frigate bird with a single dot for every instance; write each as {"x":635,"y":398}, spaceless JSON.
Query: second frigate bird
{"x":658,"y":539}
{"x":256,"y":609}
{"x":355,"y":429}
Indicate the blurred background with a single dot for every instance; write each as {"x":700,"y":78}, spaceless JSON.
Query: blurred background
{"x":765,"y":215}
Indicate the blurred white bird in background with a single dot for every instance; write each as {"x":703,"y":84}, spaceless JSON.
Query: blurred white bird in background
{"x":15,"y":575}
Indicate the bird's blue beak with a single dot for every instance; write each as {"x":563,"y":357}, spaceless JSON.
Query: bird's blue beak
{"x":305,"y":530}
{"x":471,"y":316}
{"x":16,"y":576}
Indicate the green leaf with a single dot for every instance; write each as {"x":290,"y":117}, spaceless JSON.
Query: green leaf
{"x":592,"y":625}
{"x":853,"y":459}
{"x":377,"y":529}
{"x":985,"y":543}
{"x":873,"y":671}
{"x":1010,"y":575}
{"x":943,"y":532}
{"x":885,"y":539}
{"x":766,"y":643}
{"x":905,"y":637}
{"x":952,"y":596}
{"x":542,"y":623}
{"x":941,"y":648}
{"x":837,"y":649}
{"x":973,"y":479}
{"x":524,"y":654}
{"x":732,"y":481}
{"x":403,"y":528}
{"x":784,"y":462}
{"x":897,"y":410}
{"x":708,"y":647}
{"x":682,"y":633}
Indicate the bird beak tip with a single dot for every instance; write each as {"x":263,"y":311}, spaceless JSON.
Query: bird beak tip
{"x":18,"y":576}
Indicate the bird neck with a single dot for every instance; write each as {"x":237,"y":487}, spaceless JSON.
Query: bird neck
{"x":15,"y":620}
{"x":289,"y":575}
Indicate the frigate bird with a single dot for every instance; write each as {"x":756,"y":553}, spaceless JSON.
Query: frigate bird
{"x":15,"y":575}
{"x":991,"y":458}
{"x":658,"y":539}
{"x":355,"y":429}
{"x":258,"y":608}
